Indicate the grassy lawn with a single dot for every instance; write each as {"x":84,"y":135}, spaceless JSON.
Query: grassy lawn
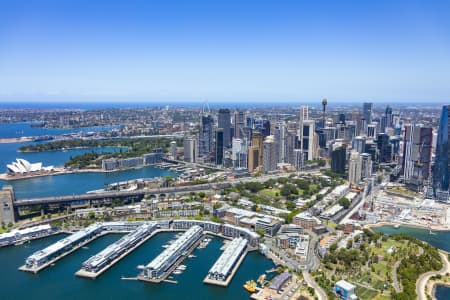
{"x":402,"y":190}
{"x":270,"y":193}
{"x":364,"y":293}
{"x":383,"y":297}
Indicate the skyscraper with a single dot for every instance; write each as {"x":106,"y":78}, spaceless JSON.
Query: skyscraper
{"x":299,"y":162}
{"x":239,"y":124}
{"x":190,"y":149}
{"x":224,"y":122}
{"x":354,"y":168}
{"x":269,"y":154}
{"x":386,"y":120}
{"x":388,"y":115}
{"x":367,"y":112}
{"x":257,"y":141}
{"x":366,"y":165}
{"x":308,"y":140}
{"x":290,"y":145}
{"x":384,"y":148}
{"x":253,"y":158}
{"x":417,"y":155}
{"x":265,"y":128}
{"x":359,"y":144}
{"x":441,"y":168}
{"x":303,"y":116}
{"x":206,"y":137}
{"x":338,"y":158}
{"x":219,"y":146}
{"x":173,"y":149}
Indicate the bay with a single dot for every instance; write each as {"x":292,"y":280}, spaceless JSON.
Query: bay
{"x":59,"y":281}
{"x":439,"y":239}
{"x":24,"y":129}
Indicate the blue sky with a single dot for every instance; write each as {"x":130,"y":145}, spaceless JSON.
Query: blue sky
{"x":380,"y":51}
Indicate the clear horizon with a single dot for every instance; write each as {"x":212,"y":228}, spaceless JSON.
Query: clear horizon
{"x":235,"y":51}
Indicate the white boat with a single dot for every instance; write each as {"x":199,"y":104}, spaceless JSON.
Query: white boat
{"x":177,"y":272}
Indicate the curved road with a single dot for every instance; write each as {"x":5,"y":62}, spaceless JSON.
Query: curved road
{"x":321,"y":295}
{"x":395,"y":282}
{"x":423,"y":279}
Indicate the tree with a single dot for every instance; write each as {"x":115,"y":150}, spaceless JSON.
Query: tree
{"x":333,"y":247}
{"x":302,"y":184}
{"x":282,"y":180}
{"x":260,"y":232}
{"x":290,"y":205}
{"x":91,"y":215}
{"x":344,"y":202}
{"x":349,"y":244}
{"x":288,"y":189}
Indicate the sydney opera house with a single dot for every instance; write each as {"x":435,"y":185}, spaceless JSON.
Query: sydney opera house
{"x":22,"y":166}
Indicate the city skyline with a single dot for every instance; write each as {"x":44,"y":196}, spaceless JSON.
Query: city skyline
{"x":224,"y":51}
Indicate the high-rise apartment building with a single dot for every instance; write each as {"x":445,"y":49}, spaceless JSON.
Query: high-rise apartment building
{"x":206,"y":136}
{"x":270,"y":157}
{"x":190,"y":149}
{"x":441,"y":168}
{"x":354,"y":168}
{"x":417,"y":146}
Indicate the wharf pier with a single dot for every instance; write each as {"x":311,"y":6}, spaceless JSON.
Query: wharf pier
{"x":165,"y":263}
{"x":224,"y":269}
{"x":39,"y":268}
{"x":172,"y":268}
{"x":41,"y":259}
{"x":225,"y":283}
{"x":92,"y":274}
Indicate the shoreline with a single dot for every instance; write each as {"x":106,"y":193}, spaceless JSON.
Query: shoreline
{"x":416,"y":226}
{"x":423,"y":282}
{"x":70,"y":148}
{"x":63,"y":171}
{"x":15,"y":140}
{"x":434,"y":284}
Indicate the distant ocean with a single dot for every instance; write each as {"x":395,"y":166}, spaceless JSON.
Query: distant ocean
{"x":104,"y":105}
{"x":215,"y":104}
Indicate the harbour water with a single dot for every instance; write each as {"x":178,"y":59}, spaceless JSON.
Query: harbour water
{"x":59,"y":281}
{"x":79,"y":183}
{"x":24,"y":129}
{"x":439,"y":239}
{"x":62,"y":184}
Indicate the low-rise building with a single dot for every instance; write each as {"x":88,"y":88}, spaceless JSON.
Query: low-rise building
{"x":301,"y":249}
{"x":305,"y":220}
{"x":345,"y":290}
